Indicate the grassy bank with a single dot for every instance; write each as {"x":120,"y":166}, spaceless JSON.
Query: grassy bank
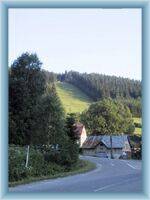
{"x":138,"y":130}
{"x":81,"y":167}
{"x":73,"y":99}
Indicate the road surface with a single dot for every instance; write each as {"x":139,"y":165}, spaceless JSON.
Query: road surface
{"x":109,"y":176}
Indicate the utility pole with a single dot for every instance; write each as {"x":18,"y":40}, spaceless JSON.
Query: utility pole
{"x":111,"y":150}
{"x":27,"y":157}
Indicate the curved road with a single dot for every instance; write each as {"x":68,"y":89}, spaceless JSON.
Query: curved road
{"x":109,"y":176}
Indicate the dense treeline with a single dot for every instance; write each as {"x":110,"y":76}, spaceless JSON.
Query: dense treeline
{"x":36,"y":116}
{"x":98,"y":86}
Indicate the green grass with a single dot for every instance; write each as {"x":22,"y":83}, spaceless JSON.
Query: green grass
{"x":81,"y":167}
{"x":137,"y":120}
{"x":138,"y":131}
{"x":73,"y":99}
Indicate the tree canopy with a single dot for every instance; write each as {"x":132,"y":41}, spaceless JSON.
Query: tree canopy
{"x":108,"y":117}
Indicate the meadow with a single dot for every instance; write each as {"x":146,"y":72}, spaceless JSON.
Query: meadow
{"x":138,"y":130}
{"x":73,"y":99}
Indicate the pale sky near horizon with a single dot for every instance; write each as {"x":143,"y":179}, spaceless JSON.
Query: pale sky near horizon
{"x":106,"y":41}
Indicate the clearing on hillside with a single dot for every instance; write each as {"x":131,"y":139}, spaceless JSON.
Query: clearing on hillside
{"x":138,"y":131}
{"x":72,"y":98}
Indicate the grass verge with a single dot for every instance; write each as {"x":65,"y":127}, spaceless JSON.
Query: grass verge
{"x":81,"y":167}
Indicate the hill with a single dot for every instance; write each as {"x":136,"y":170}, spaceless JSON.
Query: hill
{"x":99,"y":86}
{"x":72,"y":98}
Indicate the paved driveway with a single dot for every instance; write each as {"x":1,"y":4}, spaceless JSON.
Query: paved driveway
{"x":109,"y":176}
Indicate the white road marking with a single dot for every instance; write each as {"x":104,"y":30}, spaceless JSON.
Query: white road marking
{"x":115,"y":184}
{"x":133,"y":167}
{"x":102,"y":188}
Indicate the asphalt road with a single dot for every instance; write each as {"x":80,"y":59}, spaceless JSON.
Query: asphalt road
{"x":109,"y":176}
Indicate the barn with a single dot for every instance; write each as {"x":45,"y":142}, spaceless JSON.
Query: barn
{"x":101,"y":145}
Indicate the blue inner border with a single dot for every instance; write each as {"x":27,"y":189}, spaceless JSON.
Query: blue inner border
{"x":4,"y":6}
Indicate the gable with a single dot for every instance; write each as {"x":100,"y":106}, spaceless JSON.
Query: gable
{"x":118,"y":142}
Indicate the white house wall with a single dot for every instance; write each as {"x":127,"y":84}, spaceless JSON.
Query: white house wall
{"x":83,"y":137}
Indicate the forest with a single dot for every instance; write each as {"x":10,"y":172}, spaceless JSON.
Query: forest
{"x":98,"y":87}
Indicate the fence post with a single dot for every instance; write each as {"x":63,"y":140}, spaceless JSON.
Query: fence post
{"x":27,"y":157}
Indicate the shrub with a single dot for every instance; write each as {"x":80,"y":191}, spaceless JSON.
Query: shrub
{"x":16,"y":162}
{"x":69,"y":154}
{"x":42,"y":162}
{"x":36,"y":162}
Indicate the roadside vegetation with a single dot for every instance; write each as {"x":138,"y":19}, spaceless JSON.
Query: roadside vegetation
{"x":41,"y":166}
{"x":37,"y":118}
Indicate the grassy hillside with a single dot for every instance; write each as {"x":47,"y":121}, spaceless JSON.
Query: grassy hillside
{"x":73,"y":99}
{"x":137,"y":120}
{"x":138,"y":131}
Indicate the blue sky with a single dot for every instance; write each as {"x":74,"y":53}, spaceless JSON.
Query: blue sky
{"x":106,"y":41}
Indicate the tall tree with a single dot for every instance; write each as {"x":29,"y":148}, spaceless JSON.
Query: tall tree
{"x":26,"y":85}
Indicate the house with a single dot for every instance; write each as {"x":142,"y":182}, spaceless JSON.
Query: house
{"x":96,"y":145}
{"x":79,"y":130}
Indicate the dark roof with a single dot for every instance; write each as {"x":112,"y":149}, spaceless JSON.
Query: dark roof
{"x":118,"y":141}
{"x":91,"y":142}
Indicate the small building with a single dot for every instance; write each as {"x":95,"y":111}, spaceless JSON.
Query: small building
{"x":101,"y":145}
{"x":80,"y":131}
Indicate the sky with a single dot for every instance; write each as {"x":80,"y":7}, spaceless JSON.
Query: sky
{"x":106,"y":41}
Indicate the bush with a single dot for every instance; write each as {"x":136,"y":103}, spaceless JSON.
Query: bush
{"x":36,"y":162}
{"x":17,"y":168}
{"x":69,"y":155}
{"x":42,"y":162}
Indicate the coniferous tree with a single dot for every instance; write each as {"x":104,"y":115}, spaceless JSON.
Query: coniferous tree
{"x":26,"y":85}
